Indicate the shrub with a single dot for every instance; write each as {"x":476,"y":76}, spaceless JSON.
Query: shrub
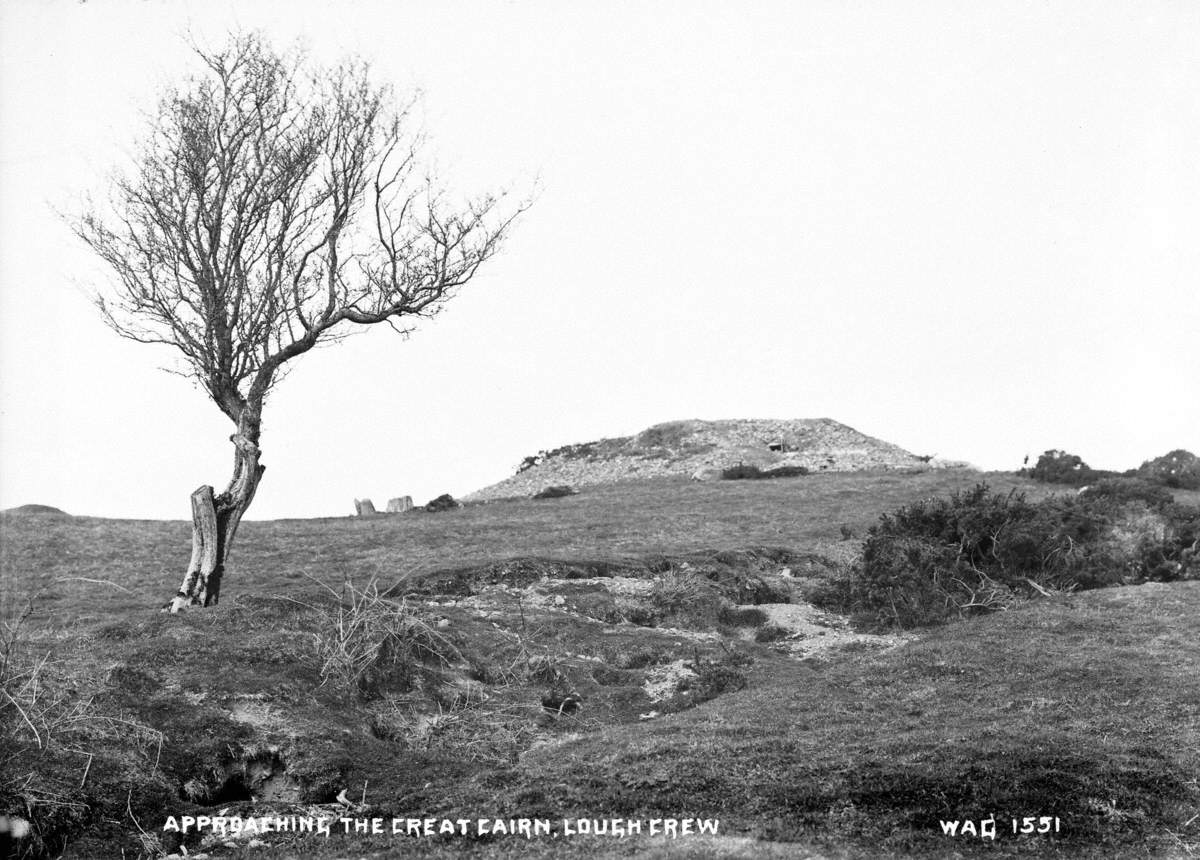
{"x":1175,"y":553}
{"x":787,"y":472}
{"x":444,"y":502}
{"x":742,"y":616}
{"x":978,"y":551}
{"x":743,"y":472}
{"x":1059,"y":467}
{"x":1130,"y":490}
{"x":556,"y":492}
{"x":1179,"y":469}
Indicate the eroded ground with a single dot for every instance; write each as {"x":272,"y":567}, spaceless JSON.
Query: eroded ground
{"x":260,"y":717}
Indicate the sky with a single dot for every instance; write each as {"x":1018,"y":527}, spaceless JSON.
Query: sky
{"x":968,"y":229}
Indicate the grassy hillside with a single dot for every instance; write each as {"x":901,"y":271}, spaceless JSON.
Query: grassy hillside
{"x":144,"y":558}
{"x":596,"y":656}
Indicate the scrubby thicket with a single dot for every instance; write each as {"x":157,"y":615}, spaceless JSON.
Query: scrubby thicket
{"x":1060,"y":467}
{"x":980,"y":551}
{"x":1177,"y":469}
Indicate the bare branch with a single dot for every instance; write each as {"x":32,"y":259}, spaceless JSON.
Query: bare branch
{"x":272,"y":206}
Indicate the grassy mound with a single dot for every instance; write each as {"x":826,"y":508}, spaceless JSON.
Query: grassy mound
{"x":35,"y":510}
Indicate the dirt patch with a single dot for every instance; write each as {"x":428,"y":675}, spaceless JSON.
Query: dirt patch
{"x":662,"y":682}
{"x":808,"y":631}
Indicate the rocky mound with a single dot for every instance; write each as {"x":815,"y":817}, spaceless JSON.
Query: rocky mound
{"x":695,"y":447}
{"x":36,"y":510}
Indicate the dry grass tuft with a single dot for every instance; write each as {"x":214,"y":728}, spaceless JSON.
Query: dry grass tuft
{"x":367,"y":638}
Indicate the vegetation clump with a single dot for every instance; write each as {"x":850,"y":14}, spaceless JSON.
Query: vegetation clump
{"x":1130,"y":490}
{"x":742,"y":616}
{"x":444,"y":502}
{"x":1178,"y":469}
{"x":1060,"y":467}
{"x":744,"y":472}
{"x":368,"y":641}
{"x":979,"y":551}
{"x":556,"y":492}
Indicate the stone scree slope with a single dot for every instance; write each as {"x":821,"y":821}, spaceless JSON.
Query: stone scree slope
{"x":691,"y":448}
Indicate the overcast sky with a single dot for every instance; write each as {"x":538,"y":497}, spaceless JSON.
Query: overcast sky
{"x":969,"y":229}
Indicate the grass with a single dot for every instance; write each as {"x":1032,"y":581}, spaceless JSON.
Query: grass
{"x":630,"y":520}
{"x":1084,"y":708}
{"x":365,"y":639}
{"x":430,"y":700}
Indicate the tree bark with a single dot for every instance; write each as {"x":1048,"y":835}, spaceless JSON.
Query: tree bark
{"x":215,"y":520}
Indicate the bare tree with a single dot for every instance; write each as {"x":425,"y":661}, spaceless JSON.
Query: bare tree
{"x":274,"y":206}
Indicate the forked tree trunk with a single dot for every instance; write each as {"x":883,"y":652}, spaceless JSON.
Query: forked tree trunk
{"x":215,"y":520}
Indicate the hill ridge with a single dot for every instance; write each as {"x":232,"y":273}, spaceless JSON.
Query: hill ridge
{"x":695,"y":446}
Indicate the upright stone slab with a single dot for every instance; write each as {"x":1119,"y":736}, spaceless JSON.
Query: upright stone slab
{"x":400,"y":505}
{"x":364,"y":507}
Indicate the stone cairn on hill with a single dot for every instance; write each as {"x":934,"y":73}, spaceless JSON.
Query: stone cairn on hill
{"x":703,"y":450}
{"x":364,"y":507}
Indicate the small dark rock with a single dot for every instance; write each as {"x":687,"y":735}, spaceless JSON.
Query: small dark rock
{"x":559,"y":702}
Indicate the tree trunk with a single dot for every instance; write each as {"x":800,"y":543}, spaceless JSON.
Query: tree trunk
{"x":215,"y":520}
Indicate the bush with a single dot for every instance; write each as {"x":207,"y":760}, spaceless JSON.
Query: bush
{"x":1130,"y":490}
{"x":743,"y":472}
{"x":556,"y":492}
{"x":979,"y":552}
{"x":1171,"y":550}
{"x":444,"y":502}
{"x":787,"y":472}
{"x":1059,"y":467}
{"x":742,"y":616}
{"x":1178,"y":469}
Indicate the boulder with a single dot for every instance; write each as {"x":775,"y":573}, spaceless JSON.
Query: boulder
{"x":364,"y":507}
{"x":399,"y":505}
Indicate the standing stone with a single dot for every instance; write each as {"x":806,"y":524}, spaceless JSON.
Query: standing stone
{"x":364,"y":507}
{"x":400,"y":505}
